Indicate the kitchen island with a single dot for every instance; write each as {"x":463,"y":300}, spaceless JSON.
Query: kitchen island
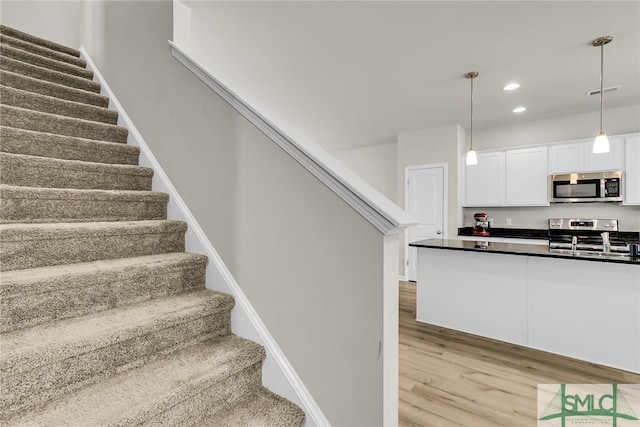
{"x":581,"y":306}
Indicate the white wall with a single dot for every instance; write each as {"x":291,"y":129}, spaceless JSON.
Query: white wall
{"x":58,"y":21}
{"x":536,"y":217}
{"x":310,"y":265}
{"x":376,"y":164}
{"x":616,"y":121}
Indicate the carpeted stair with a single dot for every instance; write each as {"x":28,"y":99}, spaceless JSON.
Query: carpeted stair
{"x":105,"y":319}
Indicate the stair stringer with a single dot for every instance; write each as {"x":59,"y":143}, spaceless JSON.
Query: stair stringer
{"x":278,"y":375}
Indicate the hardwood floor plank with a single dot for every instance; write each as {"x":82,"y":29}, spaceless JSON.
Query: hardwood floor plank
{"x":450,"y":378}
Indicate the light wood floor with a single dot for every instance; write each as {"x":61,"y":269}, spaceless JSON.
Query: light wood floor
{"x":450,"y":378}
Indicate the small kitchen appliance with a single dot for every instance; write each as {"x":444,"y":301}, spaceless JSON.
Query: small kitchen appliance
{"x":585,"y":236}
{"x":482,"y":224}
{"x":586,"y":187}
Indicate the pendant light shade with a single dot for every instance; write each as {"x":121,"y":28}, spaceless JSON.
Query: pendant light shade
{"x":601,"y":143}
{"x":472,"y":157}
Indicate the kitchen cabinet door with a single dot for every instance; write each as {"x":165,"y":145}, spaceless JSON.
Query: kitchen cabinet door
{"x":526,"y":177}
{"x":567,"y":157}
{"x":631,"y":174}
{"x":613,"y":160}
{"x":484,"y":182}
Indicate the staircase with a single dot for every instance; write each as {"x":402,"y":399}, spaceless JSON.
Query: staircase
{"x":105,"y":319}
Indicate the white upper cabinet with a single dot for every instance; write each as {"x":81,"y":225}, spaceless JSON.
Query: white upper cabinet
{"x":577,"y":156}
{"x":631,"y":174}
{"x":520,"y":176}
{"x":526,"y":177}
{"x":613,"y":160}
{"x":484,"y":182}
{"x":566,"y":157}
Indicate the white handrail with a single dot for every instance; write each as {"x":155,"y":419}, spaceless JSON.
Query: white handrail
{"x":385,"y":215}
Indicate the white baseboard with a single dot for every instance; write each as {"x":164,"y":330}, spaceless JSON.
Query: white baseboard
{"x":278,"y":374}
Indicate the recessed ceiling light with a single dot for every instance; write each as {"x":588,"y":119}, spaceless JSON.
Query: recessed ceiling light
{"x":519,"y":109}
{"x":511,"y":86}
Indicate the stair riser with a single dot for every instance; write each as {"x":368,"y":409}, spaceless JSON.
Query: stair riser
{"x":210,"y":397}
{"x":43,"y":122}
{"x":27,"y":175}
{"x":61,"y":249}
{"x":65,"y":297}
{"x":41,"y":73}
{"x":44,"y":62}
{"x":43,"y":51}
{"x":46,"y":104}
{"x":19,"y":141}
{"x":33,"y":387}
{"x":42,"y":87}
{"x":38,"y":41}
{"x":14,"y":210}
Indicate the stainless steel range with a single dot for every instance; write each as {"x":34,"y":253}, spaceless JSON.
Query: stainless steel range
{"x":585,"y":237}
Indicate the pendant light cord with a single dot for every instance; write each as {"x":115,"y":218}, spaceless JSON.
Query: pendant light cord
{"x":471,"y":129}
{"x":601,"y":84}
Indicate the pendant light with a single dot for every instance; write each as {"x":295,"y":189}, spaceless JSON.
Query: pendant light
{"x":601,"y":143}
{"x":472,"y":158}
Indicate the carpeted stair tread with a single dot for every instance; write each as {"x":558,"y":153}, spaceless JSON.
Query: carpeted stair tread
{"x":43,"y":87}
{"x":38,"y":205}
{"x":257,"y":409}
{"x":40,"y":144}
{"x":42,"y":73}
{"x":12,"y":32}
{"x":39,"y":245}
{"x":44,"y":62}
{"x":23,"y":118}
{"x":48,"y":361}
{"x":41,"y":345}
{"x":48,"y":104}
{"x":42,"y":51}
{"x":33,"y":171}
{"x":189,"y":382}
{"x":39,"y":295}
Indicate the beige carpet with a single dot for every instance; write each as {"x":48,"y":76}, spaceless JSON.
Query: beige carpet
{"x":105,"y":320}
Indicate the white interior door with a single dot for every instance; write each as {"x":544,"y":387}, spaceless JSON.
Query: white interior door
{"x":425,"y":189}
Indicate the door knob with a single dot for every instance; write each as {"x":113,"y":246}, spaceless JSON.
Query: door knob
{"x":439,"y":232}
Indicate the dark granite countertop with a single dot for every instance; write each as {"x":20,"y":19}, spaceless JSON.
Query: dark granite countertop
{"x":515,"y":233}
{"x":537,"y":233}
{"x":517,"y":249}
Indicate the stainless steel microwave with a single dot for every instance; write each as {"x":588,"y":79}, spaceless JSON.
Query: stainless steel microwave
{"x":586,"y":187}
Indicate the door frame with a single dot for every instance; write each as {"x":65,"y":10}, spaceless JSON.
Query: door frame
{"x":445,"y":204}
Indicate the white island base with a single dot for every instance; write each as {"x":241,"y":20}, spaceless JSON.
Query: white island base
{"x":583,"y":309}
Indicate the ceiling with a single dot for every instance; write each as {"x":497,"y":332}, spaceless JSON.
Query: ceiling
{"x":350,"y":74}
